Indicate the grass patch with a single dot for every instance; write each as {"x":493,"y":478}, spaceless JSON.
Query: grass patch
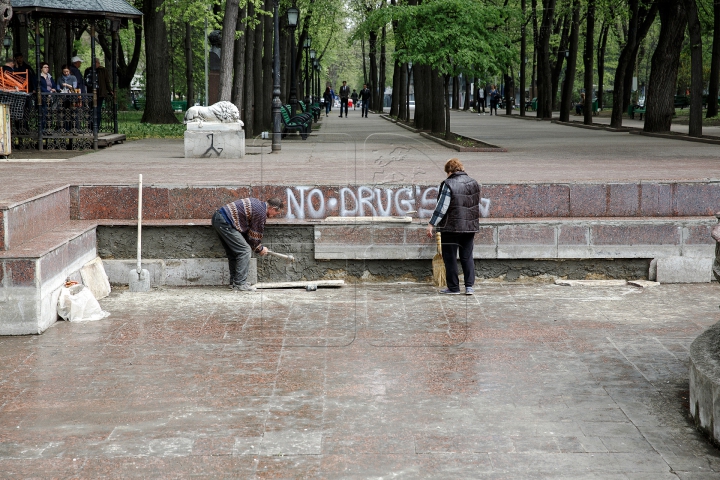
{"x":129,"y":124}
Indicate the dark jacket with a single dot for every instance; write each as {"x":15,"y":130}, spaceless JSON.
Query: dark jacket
{"x":365,"y":94}
{"x":104,"y":85}
{"x":344,"y":92}
{"x":463,"y":215}
{"x":44,"y":84}
{"x":74,"y":71}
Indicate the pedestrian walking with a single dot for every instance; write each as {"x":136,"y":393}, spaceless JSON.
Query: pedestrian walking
{"x":240,"y":226}
{"x":354,"y":97}
{"x":332,"y":96}
{"x":481,"y":100}
{"x":327,"y":98}
{"x":365,"y":99}
{"x":457,"y":217}
{"x":494,"y":99}
{"x":344,"y":95}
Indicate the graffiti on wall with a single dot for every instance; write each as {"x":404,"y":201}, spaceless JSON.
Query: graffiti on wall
{"x":321,"y":202}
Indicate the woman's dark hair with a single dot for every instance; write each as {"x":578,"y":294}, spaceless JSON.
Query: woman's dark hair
{"x":64,"y":67}
{"x":43,"y":64}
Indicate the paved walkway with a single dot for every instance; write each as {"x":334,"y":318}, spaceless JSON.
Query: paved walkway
{"x":372,"y":151}
{"x":377,"y":381}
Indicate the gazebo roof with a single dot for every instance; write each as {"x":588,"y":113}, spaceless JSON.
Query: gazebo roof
{"x":84,"y":8}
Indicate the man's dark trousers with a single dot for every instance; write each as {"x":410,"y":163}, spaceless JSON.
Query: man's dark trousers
{"x":365,"y":106}
{"x":236,"y":247}
{"x":343,"y":105}
{"x":451,"y":241}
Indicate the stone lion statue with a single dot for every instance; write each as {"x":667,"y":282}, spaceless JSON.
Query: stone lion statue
{"x":221,"y":112}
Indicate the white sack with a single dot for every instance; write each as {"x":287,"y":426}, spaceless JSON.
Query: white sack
{"x":77,"y":304}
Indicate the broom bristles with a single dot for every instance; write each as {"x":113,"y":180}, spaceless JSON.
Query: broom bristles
{"x":438,"y":265}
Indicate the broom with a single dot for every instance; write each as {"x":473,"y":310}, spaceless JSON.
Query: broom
{"x":438,"y":265}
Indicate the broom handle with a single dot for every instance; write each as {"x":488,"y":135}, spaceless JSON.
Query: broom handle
{"x":439,"y":243}
{"x":139,"y":244}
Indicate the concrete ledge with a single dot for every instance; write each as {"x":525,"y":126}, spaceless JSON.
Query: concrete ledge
{"x":184,"y":272}
{"x":705,"y":382}
{"x":684,"y":269}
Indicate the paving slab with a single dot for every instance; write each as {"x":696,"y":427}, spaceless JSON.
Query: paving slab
{"x":371,"y":380}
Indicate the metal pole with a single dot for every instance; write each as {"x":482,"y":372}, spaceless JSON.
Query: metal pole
{"x":307,"y":78}
{"x":293,"y":86}
{"x":206,"y":60}
{"x":96,"y":127}
{"x":39,"y":94}
{"x":276,"y":104}
{"x":523,"y":61}
{"x":115,"y":41}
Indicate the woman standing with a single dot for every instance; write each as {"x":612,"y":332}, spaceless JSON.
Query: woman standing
{"x":494,"y":98}
{"x":327,"y":96}
{"x":47,"y":85}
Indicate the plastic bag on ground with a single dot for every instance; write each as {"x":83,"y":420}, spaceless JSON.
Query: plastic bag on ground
{"x":77,"y":304}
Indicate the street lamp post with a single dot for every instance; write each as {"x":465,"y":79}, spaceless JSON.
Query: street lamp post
{"x":407,"y":103}
{"x":306,"y":47}
{"x":276,"y":104}
{"x":292,"y":18}
{"x":312,"y":74}
{"x":7,"y":43}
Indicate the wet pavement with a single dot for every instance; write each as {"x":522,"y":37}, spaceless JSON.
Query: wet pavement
{"x":367,"y":381}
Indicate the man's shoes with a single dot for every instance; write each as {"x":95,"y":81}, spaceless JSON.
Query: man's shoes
{"x":340,"y":116}
{"x":243,"y":287}
{"x":469,"y":291}
{"x":446,"y":291}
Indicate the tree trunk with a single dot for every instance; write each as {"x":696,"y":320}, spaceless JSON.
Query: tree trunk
{"x":664,"y":66}
{"x":373,"y":84}
{"x":423,"y":105}
{"x":238,"y":97}
{"x":466,"y":104}
{"x":523,"y":60}
{"x":396,"y":93}
{"x":544,"y":70}
{"x":249,"y":76}
{"x":456,"y":93}
{"x":714,"y":86}
{"x":227,"y":49}
{"x":533,"y":75}
{"x":446,"y":88}
{"x":20,"y":40}
{"x":189,"y":65}
{"x":365,"y":73}
{"x":267,"y":61}
{"x":258,"y":113}
{"x":696,"y":69}
{"x":560,"y":57}
{"x":602,"y":45}
{"x":588,"y":62}
{"x":383,"y":63}
{"x":158,"y":108}
{"x":569,"y":83}
{"x":439,"y":101}
{"x":635,"y":35}
{"x":402,"y":98}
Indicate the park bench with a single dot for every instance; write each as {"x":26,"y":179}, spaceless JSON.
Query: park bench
{"x":179,"y":105}
{"x":633,"y":109}
{"x":681,"y":101}
{"x":313,"y":109}
{"x":531,"y":104}
{"x":298,"y":123}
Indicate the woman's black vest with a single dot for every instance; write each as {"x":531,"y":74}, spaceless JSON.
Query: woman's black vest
{"x":463,"y":215}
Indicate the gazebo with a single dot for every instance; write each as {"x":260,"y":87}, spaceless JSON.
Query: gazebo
{"x":66,"y":120}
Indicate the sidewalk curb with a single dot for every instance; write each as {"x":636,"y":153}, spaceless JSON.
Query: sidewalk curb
{"x":686,"y":138}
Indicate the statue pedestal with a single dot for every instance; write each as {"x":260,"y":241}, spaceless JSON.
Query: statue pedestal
{"x":212,"y":140}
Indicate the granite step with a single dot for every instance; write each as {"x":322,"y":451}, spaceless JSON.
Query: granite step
{"x":32,"y":273}
{"x":24,"y":219}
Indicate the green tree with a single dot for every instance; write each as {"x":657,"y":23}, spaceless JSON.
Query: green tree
{"x":451,"y":37}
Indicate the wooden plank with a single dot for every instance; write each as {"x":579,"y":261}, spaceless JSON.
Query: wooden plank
{"x":301,"y":284}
